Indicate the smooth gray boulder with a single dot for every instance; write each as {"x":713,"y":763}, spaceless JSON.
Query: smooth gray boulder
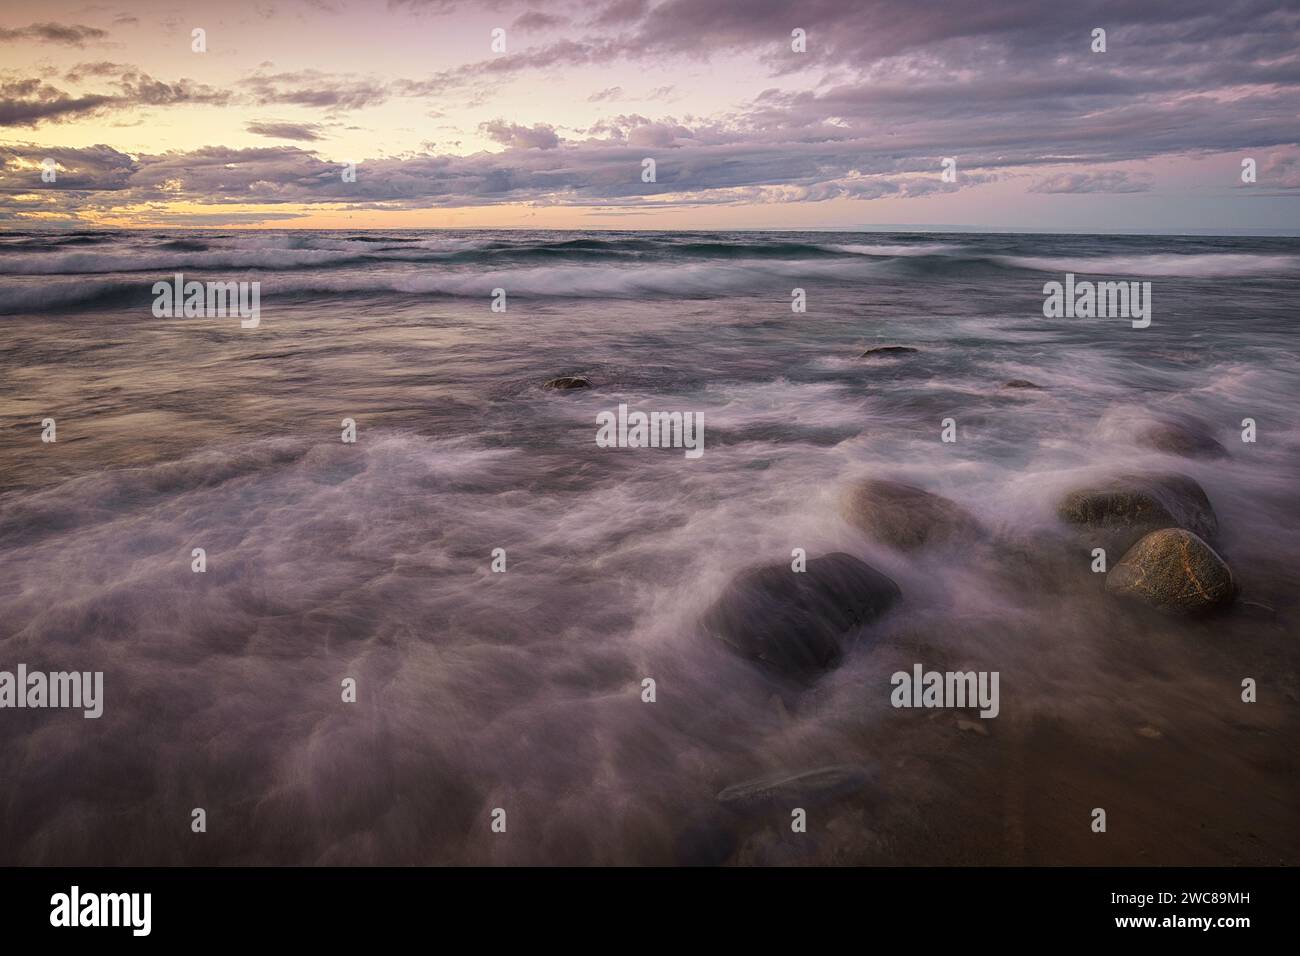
{"x":904,"y":516}
{"x":795,"y":621}
{"x":1118,"y":511}
{"x":1189,"y":439}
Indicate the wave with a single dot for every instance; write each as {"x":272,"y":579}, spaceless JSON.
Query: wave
{"x":318,"y":253}
{"x":1192,"y":265}
{"x":91,"y":263}
{"x":919,"y":249}
{"x":542,"y":264}
{"x":49,"y":296}
{"x":696,"y":280}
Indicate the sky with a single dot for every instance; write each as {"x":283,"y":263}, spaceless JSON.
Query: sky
{"x":757,"y":114}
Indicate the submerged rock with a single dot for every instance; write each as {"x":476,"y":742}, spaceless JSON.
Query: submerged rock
{"x":880,"y":351}
{"x":1188,"y":439}
{"x":568,"y":381}
{"x":1173,"y":571}
{"x":708,"y":839}
{"x":1121,"y":510}
{"x":905,"y":517}
{"x":794,"y":621}
{"x":1020,"y":383}
{"x":809,"y":788}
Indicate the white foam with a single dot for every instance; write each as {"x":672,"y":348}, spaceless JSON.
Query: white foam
{"x":1171,"y":264}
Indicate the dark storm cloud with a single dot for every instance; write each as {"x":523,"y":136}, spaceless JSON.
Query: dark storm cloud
{"x":313,"y":88}
{"x":967,"y":35}
{"x":947,"y":78}
{"x":97,"y":168}
{"x":592,"y":173}
{"x":302,"y":132}
{"x":29,"y":102}
{"x":69,"y":34}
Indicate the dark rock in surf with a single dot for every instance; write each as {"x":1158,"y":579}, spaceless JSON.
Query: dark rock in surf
{"x":708,"y":839}
{"x":1121,"y":510}
{"x":809,"y":788}
{"x":1173,"y":571}
{"x":1188,"y":439}
{"x":795,"y":621}
{"x":905,"y":517}
{"x":1020,"y":383}
{"x":883,"y":351}
{"x":566,"y":382}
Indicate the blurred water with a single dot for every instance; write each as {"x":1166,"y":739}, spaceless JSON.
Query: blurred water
{"x":522,"y":690}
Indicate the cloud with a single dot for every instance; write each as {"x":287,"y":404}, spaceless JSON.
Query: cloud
{"x":659,"y":135}
{"x":71,"y":35}
{"x":885,"y":91}
{"x":540,"y":136}
{"x":313,"y":88}
{"x":1280,"y":171}
{"x":99,"y":68}
{"x":710,"y":165}
{"x":536,"y":20}
{"x":1115,"y":181}
{"x":97,"y":168}
{"x":621,"y":12}
{"x":303,"y":132}
{"x":29,"y":102}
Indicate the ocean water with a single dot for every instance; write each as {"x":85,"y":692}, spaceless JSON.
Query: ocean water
{"x":522,"y":690}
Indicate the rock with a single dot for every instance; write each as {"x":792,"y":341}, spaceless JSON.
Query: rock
{"x":707,"y":840}
{"x":903,"y":516}
{"x":1020,"y":383}
{"x":1121,"y":510}
{"x":1188,"y":439}
{"x":794,"y":621}
{"x":1175,"y":572}
{"x":809,"y":788}
{"x":568,"y":382}
{"x":882,"y":351}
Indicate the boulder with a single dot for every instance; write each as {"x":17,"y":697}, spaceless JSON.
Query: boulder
{"x":568,"y":382}
{"x":883,"y":351}
{"x":1119,"y":511}
{"x":905,"y":517}
{"x":1188,"y":439}
{"x":1173,"y":571}
{"x":795,"y":621}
